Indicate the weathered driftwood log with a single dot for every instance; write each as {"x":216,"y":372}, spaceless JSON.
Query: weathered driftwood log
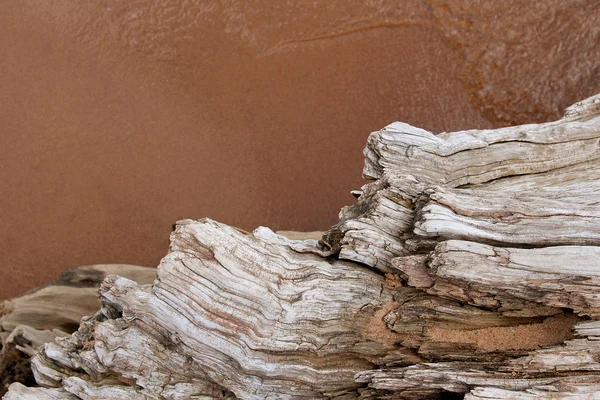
{"x":54,"y":310}
{"x":469,"y":266}
{"x":409,"y":163}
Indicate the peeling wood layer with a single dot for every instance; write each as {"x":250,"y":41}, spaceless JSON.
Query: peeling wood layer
{"x":509,"y":280}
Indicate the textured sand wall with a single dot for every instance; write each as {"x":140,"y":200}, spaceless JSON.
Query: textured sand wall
{"x":119,"y":118}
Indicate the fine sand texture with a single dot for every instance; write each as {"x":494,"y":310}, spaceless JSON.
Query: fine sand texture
{"x":120,"y":118}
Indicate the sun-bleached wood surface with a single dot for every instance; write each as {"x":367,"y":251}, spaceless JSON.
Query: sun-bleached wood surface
{"x":54,"y":310}
{"x":470,"y":265}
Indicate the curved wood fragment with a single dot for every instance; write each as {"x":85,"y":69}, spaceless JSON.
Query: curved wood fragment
{"x":247,"y":311}
{"x":535,"y":218}
{"x":510,"y":280}
{"x":478,"y":156}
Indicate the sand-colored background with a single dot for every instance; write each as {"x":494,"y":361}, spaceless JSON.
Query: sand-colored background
{"x":119,"y":118}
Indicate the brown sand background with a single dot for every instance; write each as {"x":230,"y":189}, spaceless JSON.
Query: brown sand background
{"x":119,"y":118}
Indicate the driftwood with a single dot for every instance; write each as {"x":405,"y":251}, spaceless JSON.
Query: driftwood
{"x":54,"y":310}
{"x":469,"y":266}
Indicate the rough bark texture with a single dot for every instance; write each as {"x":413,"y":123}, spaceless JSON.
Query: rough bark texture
{"x":468,"y":267}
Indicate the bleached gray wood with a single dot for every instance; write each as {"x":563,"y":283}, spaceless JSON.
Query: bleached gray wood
{"x":544,"y":217}
{"x":562,"y":154}
{"x":568,"y":371}
{"x":575,"y":177}
{"x":460,"y":235}
{"x":247,"y":311}
{"x":509,"y":280}
{"x":578,"y":389}
{"x":431,"y":380}
{"x":53,"y":310}
{"x":477,"y":156}
{"x":372,"y":231}
{"x":22,"y":392}
{"x":62,"y":303}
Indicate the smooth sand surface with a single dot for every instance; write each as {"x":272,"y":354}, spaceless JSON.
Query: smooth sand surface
{"x":120,"y":118}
